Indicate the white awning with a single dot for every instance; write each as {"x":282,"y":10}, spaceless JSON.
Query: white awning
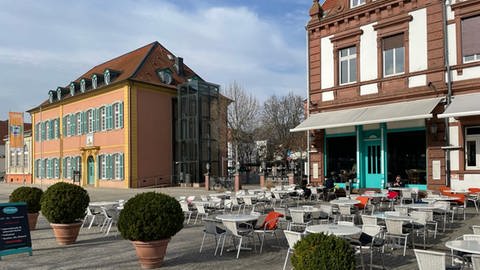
{"x":400,"y":111}
{"x":463,"y":105}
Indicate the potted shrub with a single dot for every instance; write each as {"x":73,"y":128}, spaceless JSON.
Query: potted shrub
{"x":318,"y":251}
{"x":64,"y":205}
{"x":31,"y":196}
{"x":149,"y":220}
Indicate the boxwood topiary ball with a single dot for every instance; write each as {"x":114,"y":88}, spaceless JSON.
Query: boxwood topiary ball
{"x":150,"y":216}
{"x":318,"y":251}
{"x":30,"y":195}
{"x":64,"y":203}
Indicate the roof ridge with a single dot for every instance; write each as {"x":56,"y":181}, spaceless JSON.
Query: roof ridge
{"x":120,"y":56}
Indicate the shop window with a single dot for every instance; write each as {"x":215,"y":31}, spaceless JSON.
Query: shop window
{"x":470,"y":40}
{"x":393,"y":55}
{"x":341,"y":158}
{"x":472,"y":148}
{"x":347,"y":65}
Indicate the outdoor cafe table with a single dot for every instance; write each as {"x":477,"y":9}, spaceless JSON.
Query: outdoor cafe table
{"x":391,"y":215}
{"x":468,"y":246}
{"x":237,"y":218}
{"x":421,"y":206}
{"x":306,"y":209}
{"x":103,"y":203}
{"x":345,"y":202}
{"x":335,"y":229}
{"x":439,"y":198}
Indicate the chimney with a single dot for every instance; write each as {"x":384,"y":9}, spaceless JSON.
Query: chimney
{"x":179,"y":65}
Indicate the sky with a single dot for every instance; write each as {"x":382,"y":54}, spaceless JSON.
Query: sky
{"x":45,"y":44}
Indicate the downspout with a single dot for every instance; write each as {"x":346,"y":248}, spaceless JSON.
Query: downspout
{"x":308,"y":103}
{"x":448,"y":98}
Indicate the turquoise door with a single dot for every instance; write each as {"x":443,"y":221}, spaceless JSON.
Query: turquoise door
{"x":373,"y":164}
{"x":91,"y":170}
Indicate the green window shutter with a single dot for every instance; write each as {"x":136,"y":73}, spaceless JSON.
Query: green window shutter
{"x":98,"y":117}
{"x":109,"y":166}
{"x":95,"y":117}
{"x":121,"y":166}
{"x":64,"y":126}
{"x":57,"y":169}
{"x":52,"y":129}
{"x":43,"y":126}
{"x":36,"y":168}
{"x":36,"y":132}
{"x":120,"y":116}
{"x":72,"y":125}
{"x":64,"y":167}
{"x":109,"y":117}
{"x":99,"y":166}
{"x":84,"y":122}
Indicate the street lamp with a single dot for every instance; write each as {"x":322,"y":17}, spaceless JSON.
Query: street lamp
{"x":207,"y":166}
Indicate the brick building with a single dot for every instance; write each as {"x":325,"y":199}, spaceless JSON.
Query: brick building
{"x":383,"y":98}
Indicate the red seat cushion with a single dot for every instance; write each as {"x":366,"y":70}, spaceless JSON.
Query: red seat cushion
{"x":474,"y":190}
{"x":392,"y":195}
{"x":270,"y":216}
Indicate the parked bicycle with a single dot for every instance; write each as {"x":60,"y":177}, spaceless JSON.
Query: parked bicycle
{"x":222,"y":183}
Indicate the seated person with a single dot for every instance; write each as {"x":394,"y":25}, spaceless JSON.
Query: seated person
{"x":330,"y":182}
{"x":398,"y":182}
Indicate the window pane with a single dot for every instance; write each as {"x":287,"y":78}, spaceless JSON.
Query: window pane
{"x":353,"y":70}
{"x":353,"y":50}
{"x":399,"y":59}
{"x":343,"y":71}
{"x":473,"y":131}
{"x":388,"y":61}
{"x":343,"y":52}
{"x":471,"y":153}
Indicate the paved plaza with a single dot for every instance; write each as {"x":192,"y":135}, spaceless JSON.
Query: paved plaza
{"x":93,"y":250}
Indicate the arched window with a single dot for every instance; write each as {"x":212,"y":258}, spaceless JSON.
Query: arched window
{"x":107,"y":76}
{"x":82,"y":85}
{"x":94,"y":81}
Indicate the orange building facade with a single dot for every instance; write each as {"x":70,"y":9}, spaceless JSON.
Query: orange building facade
{"x":113,"y":126}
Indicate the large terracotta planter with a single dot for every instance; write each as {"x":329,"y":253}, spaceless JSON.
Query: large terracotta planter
{"x":32,"y":220}
{"x":151,"y":253}
{"x":66,"y":234}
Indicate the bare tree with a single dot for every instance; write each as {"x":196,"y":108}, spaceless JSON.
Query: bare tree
{"x":280,"y":114}
{"x":243,"y":116}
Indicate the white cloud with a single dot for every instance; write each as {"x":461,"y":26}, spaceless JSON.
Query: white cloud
{"x":220,"y":43}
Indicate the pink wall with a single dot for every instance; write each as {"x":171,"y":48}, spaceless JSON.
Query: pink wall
{"x":155,"y":150}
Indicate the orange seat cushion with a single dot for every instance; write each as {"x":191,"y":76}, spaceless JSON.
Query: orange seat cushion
{"x":474,"y":190}
{"x":270,"y":216}
{"x":363,"y":202}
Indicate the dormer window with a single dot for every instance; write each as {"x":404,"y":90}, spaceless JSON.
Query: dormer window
{"x":106,"y":74}
{"x":59,"y":94}
{"x":165,"y":76}
{"x":50,"y":96}
{"x":356,"y":3}
{"x":94,"y":81}
{"x":82,"y":85}
{"x":72,"y":89}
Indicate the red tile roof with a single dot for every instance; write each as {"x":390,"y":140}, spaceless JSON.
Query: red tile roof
{"x":329,"y":4}
{"x":138,"y":65}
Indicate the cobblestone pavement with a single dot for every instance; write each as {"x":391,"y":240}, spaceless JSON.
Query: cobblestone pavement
{"x":93,"y":250}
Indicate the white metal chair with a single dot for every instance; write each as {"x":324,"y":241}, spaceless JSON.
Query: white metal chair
{"x":372,"y":238}
{"x":419,"y":225}
{"x":237,"y":233}
{"x":475,"y":198}
{"x":298,"y":220}
{"x":270,"y":227}
{"x":345,"y":211}
{"x":406,"y":196}
{"x":475,"y":262}
{"x":292,"y":239}
{"x":186,"y":211}
{"x":200,"y":212}
{"x":395,"y":231}
{"x":107,"y":219}
{"x":91,"y":213}
{"x":211,"y":227}
{"x":476,"y":229}
{"x":369,"y":220}
{"x":433,"y":260}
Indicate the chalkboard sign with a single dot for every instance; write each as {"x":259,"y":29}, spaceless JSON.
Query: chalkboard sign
{"x":14,"y":230}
